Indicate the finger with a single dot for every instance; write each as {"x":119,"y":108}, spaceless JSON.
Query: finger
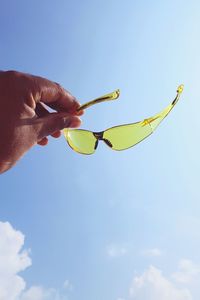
{"x":54,"y":95}
{"x":54,"y":122}
{"x":56,"y":134}
{"x":43,"y":142}
{"x":41,"y":111}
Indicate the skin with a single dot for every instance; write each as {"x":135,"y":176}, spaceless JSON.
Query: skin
{"x":24,"y":117}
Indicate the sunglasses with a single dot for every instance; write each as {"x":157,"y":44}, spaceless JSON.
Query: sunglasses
{"x":119,"y":137}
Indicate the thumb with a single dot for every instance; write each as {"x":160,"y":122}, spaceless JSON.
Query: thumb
{"x":54,"y":122}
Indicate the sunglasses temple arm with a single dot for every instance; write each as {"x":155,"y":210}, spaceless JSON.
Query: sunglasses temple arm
{"x":161,"y":115}
{"x":179,"y":92}
{"x":108,"y":97}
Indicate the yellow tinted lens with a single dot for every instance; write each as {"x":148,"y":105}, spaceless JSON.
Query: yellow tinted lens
{"x":81,"y":141}
{"x":126,"y":136}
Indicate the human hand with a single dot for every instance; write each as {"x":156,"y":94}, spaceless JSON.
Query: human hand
{"x":24,"y":119}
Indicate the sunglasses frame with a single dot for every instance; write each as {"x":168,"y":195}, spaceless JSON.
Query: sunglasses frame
{"x":113,"y":96}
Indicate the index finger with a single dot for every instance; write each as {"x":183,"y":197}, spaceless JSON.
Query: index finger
{"x":55,"y":96}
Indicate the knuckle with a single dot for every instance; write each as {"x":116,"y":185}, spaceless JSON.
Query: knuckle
{"x":62,"y":123}
{"x":12,"y":73}
{"x":59,"y":88}
{"x":19,"y":79}
{"x":58,"y":85}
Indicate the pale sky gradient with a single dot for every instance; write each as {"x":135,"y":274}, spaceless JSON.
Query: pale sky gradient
{"x":86,"y":222}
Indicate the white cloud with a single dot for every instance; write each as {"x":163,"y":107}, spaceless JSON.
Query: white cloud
{"x":40,"y":293}
{"x":116,"y":250}
{"x":188,"y":272}
{"x":152,"y":285}
{"x":67,"y":285}
{"x":152,"y":252}
{"x":12,"y":261}
{"x":182,"y":284}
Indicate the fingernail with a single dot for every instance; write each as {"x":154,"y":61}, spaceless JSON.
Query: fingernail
{"x":80,"y":112}
{"x":74,"y":107}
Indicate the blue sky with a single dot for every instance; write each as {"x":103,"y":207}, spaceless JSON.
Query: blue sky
{"x":97,"y":223}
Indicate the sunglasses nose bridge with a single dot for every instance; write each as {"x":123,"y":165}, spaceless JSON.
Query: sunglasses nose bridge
{"x":99,"y":137}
